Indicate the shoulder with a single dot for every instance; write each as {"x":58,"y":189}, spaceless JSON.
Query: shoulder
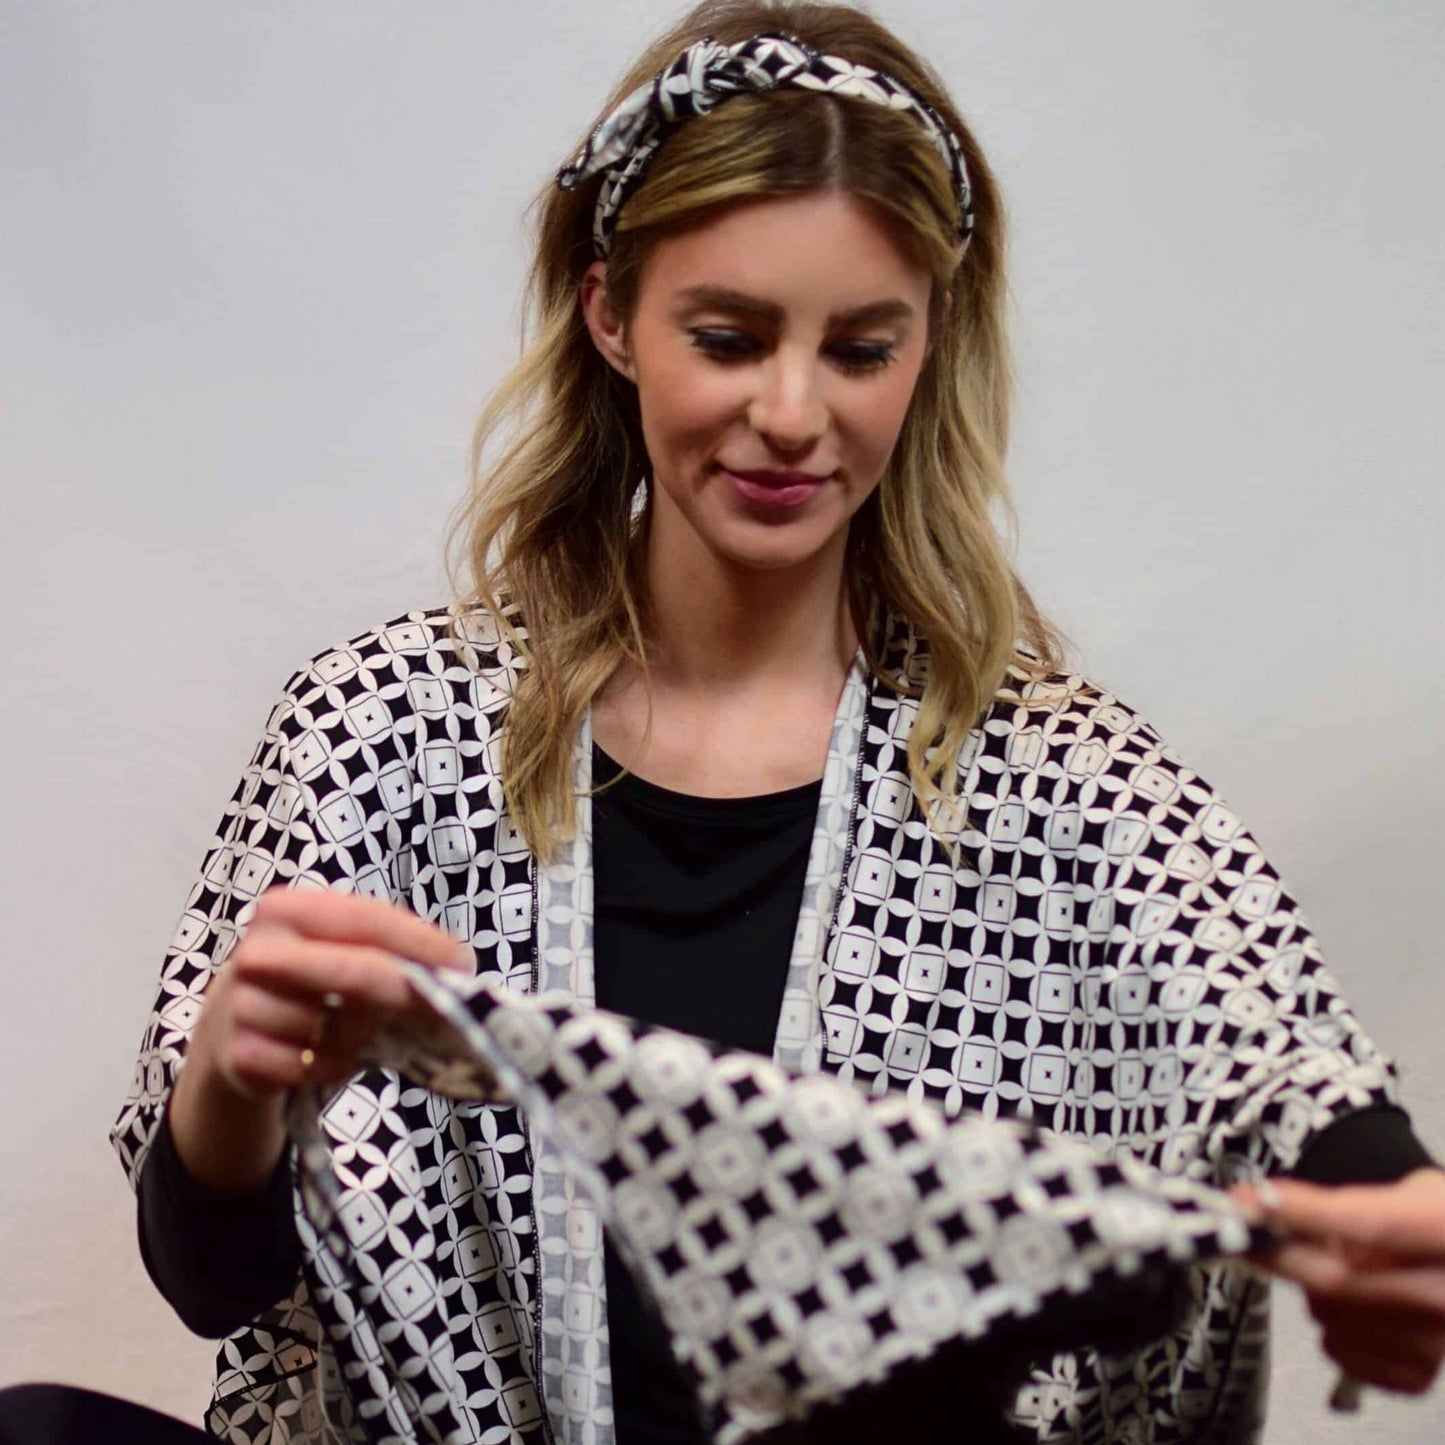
{"x":1066,"y":709}
{"x":1063,"y":740}
{"x":429,"y":658}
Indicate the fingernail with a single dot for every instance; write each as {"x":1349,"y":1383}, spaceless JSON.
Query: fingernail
{"x":1268,"y":1195}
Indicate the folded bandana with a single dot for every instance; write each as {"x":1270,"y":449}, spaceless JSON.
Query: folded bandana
{"x":622,"y":145}
{"x":801,"y":1241}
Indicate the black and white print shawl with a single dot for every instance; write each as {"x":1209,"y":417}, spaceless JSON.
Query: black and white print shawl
{"x":1109,"y":958}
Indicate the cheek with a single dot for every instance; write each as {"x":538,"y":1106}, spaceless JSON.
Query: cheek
{"x":873,"y":415}
{"x":684,"y":400}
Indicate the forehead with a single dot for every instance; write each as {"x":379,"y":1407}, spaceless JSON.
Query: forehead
{"x":826,"y":250}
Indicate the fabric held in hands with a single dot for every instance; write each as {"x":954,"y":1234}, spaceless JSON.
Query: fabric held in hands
{"x":800,"y":1239}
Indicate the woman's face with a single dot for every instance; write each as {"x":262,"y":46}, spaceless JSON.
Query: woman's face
{"x":775,"y":350}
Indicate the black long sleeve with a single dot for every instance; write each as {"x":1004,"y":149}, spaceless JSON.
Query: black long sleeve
{"x":1373,"y":1146}
{"x":219,"y":1259}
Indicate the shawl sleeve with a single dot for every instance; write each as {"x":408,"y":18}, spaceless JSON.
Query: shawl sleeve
{"x":1214,"y":1041}
{"x":298,"y":819}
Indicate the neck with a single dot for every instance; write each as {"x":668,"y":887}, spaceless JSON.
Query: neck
{"x":716,"y":625}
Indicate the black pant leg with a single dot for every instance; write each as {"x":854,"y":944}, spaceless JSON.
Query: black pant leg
{"x":68,"y":1415}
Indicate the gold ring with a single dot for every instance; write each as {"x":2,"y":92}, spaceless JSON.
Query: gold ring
{"x":331,"y":1003}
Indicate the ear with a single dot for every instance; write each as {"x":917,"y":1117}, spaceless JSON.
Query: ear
{"x":605,"y":328}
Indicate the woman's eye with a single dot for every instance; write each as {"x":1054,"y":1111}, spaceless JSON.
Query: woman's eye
{"x":864,"y":355}
{"x":725,"y":345}
{"x":851,"y":356}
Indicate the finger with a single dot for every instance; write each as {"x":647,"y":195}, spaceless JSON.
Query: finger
{"x":340,"y":1033}
{"x":1416,"y":1287}
{"x":1313,"y":1267}
{"x":278,"y":1016}
{"x":306,"y":969}
{"x":334,"y":1066}
{"x":1376,"y":1216}
{"x":353,"y":918}
{"x":1252,"y":1199}
{"x":259,"y":1065}
{"x":350,"y":1039}
{"x":1322,"y":1265}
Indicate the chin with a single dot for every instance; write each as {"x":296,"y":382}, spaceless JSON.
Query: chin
{"x":770,"y":553}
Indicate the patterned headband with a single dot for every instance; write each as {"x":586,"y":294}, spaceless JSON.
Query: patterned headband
{"x":706,"y":74}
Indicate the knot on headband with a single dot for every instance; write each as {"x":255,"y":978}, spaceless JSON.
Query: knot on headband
{"x":623,"y":144}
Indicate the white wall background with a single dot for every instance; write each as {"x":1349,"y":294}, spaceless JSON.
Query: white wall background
{"x":259,"y":265}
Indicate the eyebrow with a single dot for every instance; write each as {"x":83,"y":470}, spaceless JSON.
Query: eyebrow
{"x":723,"y":298}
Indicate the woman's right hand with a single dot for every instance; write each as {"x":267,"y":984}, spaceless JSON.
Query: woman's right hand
{"x":266,"y":1026}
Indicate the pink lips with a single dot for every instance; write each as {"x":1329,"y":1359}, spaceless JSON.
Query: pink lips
{"x":778,"y":490}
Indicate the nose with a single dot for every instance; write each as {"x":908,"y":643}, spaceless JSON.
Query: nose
{"x":788,"y":408}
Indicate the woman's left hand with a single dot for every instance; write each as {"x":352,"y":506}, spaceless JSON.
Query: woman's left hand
{"x":1371,"y":1261}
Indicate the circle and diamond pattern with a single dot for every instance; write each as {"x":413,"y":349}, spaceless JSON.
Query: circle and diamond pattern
{"x":1108,"y":956}
{"x":801,"y":1239}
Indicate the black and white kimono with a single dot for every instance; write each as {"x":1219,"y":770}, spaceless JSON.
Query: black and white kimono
{"x":1109,"y":957}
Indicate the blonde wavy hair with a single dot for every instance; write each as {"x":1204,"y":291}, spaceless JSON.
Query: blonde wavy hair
{"x":924,"y":547}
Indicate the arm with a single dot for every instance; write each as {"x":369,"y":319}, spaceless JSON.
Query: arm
{"x":1371,"y":1146}
{"x":1276,"y":1075}
{"x":219,"y":1259}
{"x":237,"y":1014}
{"x":1370,"y":1257}
{"x":1207,"y":976}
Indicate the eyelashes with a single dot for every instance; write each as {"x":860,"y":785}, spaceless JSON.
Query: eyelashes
{"x":854,"y":357}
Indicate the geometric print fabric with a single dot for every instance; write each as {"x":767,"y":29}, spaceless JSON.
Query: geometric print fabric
{"x":1113,"y":958}
{"x":1107,"y":955}
{"x":800,"y":1239}
{"x":622,"y":145}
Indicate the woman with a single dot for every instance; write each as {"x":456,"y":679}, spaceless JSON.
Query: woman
{"x":745,"y":726}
